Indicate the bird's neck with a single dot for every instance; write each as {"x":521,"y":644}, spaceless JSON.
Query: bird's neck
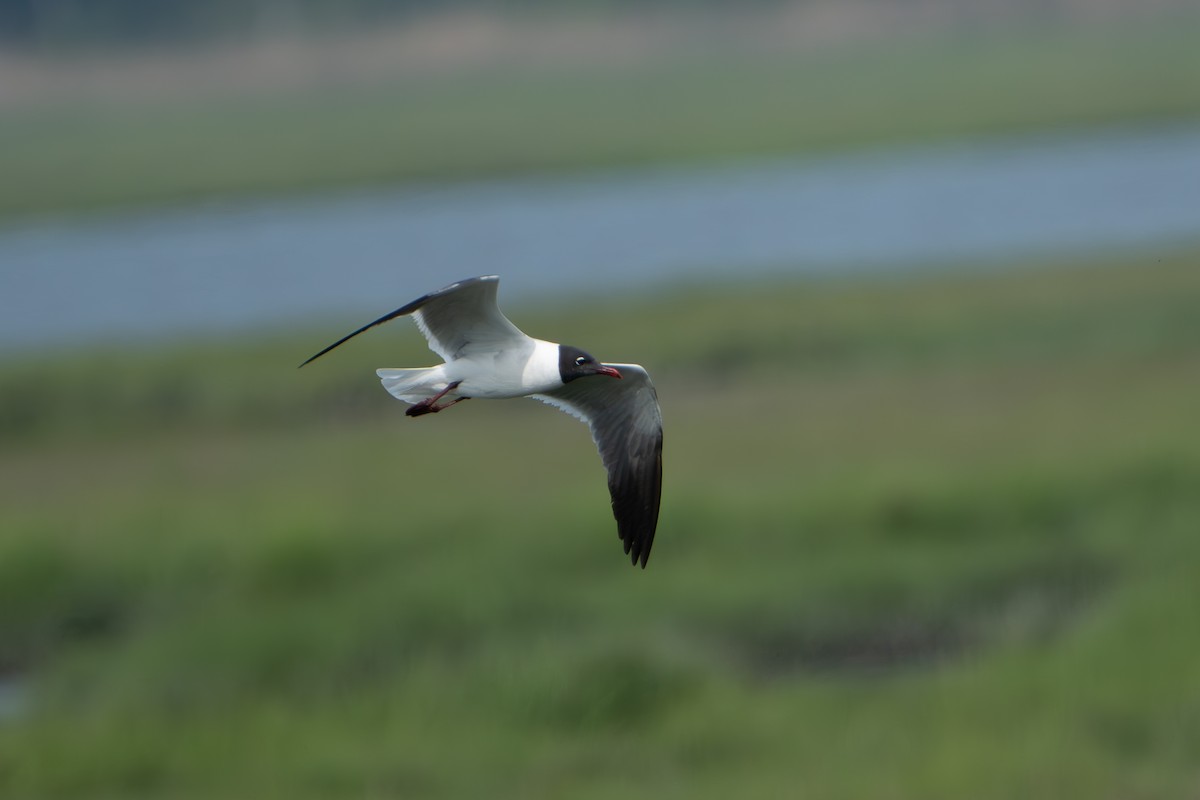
{"x":541,"y":370}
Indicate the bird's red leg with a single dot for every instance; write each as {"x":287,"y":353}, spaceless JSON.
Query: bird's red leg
{"x":429,"y":405}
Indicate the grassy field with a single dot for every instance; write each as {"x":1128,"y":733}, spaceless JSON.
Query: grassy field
{"x":66,"y":156}
{"x":933,"y":538}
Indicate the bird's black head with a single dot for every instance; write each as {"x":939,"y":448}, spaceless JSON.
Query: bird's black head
{"x":574,"y":363}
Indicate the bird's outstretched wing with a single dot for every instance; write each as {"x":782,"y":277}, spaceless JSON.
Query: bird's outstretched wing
{"x":456,"y":319}
{"x":626,"y":424}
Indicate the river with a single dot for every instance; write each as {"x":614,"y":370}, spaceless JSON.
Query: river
{"x":240,"y":264}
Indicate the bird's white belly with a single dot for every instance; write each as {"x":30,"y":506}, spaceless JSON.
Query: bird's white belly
{"x":507,"y":374}
{"x":489,"y":387}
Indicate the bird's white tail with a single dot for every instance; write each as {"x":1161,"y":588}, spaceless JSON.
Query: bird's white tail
{"x":412,"y":385}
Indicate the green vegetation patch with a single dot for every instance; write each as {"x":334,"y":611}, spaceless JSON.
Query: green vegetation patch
{"x":962,"y":551}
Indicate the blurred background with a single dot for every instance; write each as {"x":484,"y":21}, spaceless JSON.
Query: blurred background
{"x":918,"y":282}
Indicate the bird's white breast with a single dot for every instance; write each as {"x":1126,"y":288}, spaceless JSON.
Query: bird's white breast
{"x":508,"y":373}
{"x":541,"y":372}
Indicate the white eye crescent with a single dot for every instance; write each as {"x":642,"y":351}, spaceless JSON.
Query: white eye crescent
{"x":581,"y":360}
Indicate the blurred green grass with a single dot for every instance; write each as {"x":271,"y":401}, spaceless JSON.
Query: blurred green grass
{"x":925,"y":537}
{"x":59,"y":156}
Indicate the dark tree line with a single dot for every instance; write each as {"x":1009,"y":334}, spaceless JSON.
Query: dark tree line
{"x":66,"y":22}
{"x":98,"y":22}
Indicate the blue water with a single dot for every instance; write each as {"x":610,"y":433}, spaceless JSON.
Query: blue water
{"x":361,"y":253}
{"x":14,"y":698}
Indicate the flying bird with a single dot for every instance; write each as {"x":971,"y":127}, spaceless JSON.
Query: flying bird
{"x":488,"y":357}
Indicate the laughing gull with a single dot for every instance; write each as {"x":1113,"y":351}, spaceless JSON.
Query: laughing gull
{"x":488,"y":357}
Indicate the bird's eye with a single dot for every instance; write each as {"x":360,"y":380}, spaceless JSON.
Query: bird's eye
{"x":581,"y":360}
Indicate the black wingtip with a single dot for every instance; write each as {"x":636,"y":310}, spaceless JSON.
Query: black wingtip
{"x":638,"y":552}
{"x":399,"y":312}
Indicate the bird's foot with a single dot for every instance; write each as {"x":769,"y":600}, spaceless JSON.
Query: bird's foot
{"x":423,"y":407}
{"x":429,"y":404}
{"x":429,"y":407}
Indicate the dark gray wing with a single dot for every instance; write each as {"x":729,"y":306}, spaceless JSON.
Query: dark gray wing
{"x":626,"y":425}
{"x":455,"y":320}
